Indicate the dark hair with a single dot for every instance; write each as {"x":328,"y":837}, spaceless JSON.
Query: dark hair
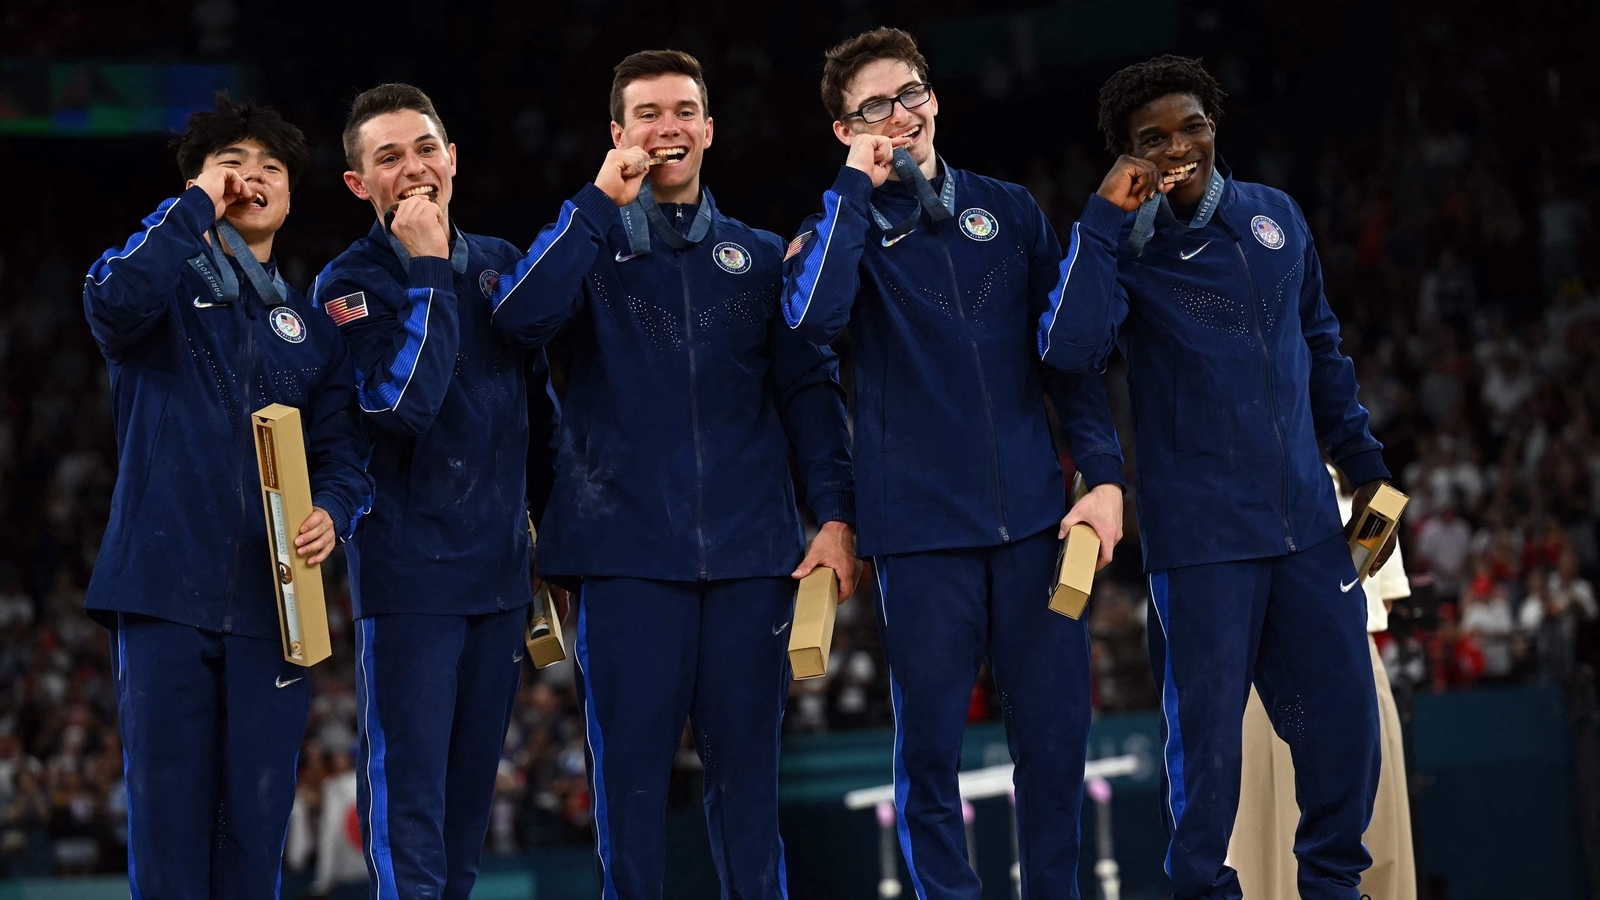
{"x":204,"y":133}
{"x":381,"y":100}
{"x":649,"y":64}
{"x":848,"y":57}
{"x":1128,"y":90}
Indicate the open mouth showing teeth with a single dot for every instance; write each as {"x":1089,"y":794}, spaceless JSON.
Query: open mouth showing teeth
{"x":1181,"y":173}
{"x":260,"y":201}
{"x":421,"y":190}
{"x":908,"y":135}
{"x":668,"y":155}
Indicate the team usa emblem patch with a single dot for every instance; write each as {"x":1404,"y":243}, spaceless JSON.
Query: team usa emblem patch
{"x":731,"y":257}
{"x":487,"y":282}
{"x":1267,"y":232}
{"x":979,"y":224}
{"x":348,"y":308}
{"x":287,"y":324}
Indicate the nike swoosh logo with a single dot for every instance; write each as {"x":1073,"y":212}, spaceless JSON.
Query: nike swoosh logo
{"x":283,"y":684}
{"x":1346,"y":587}
{"x":890,"y":242}
{"x":1195,"y":252}
{"x":199,"y":305}
{"x":516,"y":657}
{"x":779,"y":629}
{"x":624,"y":258}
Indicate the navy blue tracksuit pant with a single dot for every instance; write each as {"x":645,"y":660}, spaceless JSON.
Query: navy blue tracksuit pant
{"x":652,"y":655}
{"x":941,"y":614}
{"x":1296,"y":626}
{"x":434,"y":695}
{"x":211,"y":727}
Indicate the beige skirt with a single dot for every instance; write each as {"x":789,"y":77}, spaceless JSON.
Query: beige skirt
{"x":1262,"y":847}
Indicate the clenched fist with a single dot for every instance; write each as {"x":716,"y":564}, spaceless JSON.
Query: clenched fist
{"x":1131,"y":182}
{"x":622,"y":173}
{"x":874,"y":155}
{"x":225,"y":187}
{"x":419,"y":225}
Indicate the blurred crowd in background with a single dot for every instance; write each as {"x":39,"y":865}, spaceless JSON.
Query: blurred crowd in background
{"x":1449,"y":164}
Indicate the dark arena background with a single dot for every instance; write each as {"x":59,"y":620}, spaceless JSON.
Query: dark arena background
{"x":1447,"y":155}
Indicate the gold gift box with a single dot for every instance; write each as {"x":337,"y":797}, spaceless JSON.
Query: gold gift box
{"x":1373,"y":529}
{"x":811,"y":636}
{"x":286,"y":494}
{"x":546,"y":645}
{"x":1075,"y":564}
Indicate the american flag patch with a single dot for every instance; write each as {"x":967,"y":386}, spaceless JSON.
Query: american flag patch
{"x":796,"y":244}
{"x":348,"y":308}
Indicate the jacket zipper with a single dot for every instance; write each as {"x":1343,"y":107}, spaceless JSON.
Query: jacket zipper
{"x":694,"y":417}
{"x":247,"y":458}
{"x":983,"y":386}
{"x":1272,"y":392}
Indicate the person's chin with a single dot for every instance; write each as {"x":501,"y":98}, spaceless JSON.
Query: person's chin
{"x":253,"y":228}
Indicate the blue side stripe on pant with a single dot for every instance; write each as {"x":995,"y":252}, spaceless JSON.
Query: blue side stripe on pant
{"x":597,"y":781}
{"x":902,"y":779}
{"x":785,"y":674}
{"x":127,"y":770}
{"x":277,"y":887}
{"x":133,"y":877}
{"x":379,"y":859}
{"x":1177,"y":797}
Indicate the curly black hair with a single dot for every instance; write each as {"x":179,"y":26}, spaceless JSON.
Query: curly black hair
{"x":206,"y":132}
{"x":1138,"y":84}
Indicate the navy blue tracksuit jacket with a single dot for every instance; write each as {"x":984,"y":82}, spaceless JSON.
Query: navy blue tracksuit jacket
{"x":1237,"y":380}
{"x":685,"y":396}
{"x":441,"y":571}
{"x":960,"y":496}
{"x":952,"y":446}
{"x":446,"y":405}
{"x":1235,"y":371}
{"x":187,"y":541}
{"x":211,"y":715}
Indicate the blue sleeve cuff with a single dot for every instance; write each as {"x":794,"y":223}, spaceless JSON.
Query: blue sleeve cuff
{"x":596,"y":207}
{"x":1102,"y":217}
{"x":1364,"y":467}
{"x":835,"y":506}
{"x":432,"y":272}
{"x":855,"y":186}
{"x":1101,"y":469}
{"x":336,"y":512}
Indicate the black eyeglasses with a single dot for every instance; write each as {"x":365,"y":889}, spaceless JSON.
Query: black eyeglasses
{"x":878,"y":110}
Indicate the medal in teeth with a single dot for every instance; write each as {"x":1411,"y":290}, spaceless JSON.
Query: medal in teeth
{"x":1173,"y":176}
{"x":667,"y":154}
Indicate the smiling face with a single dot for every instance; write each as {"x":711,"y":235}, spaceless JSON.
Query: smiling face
{"x":261,"y":218}
{"x":1174,"y":133}
{"x":666,"y":116}
{"x":883,"y":79}
{"x":402,"y":155}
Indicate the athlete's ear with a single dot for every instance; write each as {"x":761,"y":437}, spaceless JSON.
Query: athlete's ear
{"x":843,"y":132}
{"x":353,"y":182}
{"x":616,"y":135}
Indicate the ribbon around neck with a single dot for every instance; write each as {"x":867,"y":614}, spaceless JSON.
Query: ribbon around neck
{"x":269,"y":287}
{"x":939,"y":206}
{"x":1159,"y":208}
{"x":639,"y":216}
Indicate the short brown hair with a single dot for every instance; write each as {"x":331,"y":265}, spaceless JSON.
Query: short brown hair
{"x":381,"y":100}
{"x":851,"y":56}
{"x":650,"y":64}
